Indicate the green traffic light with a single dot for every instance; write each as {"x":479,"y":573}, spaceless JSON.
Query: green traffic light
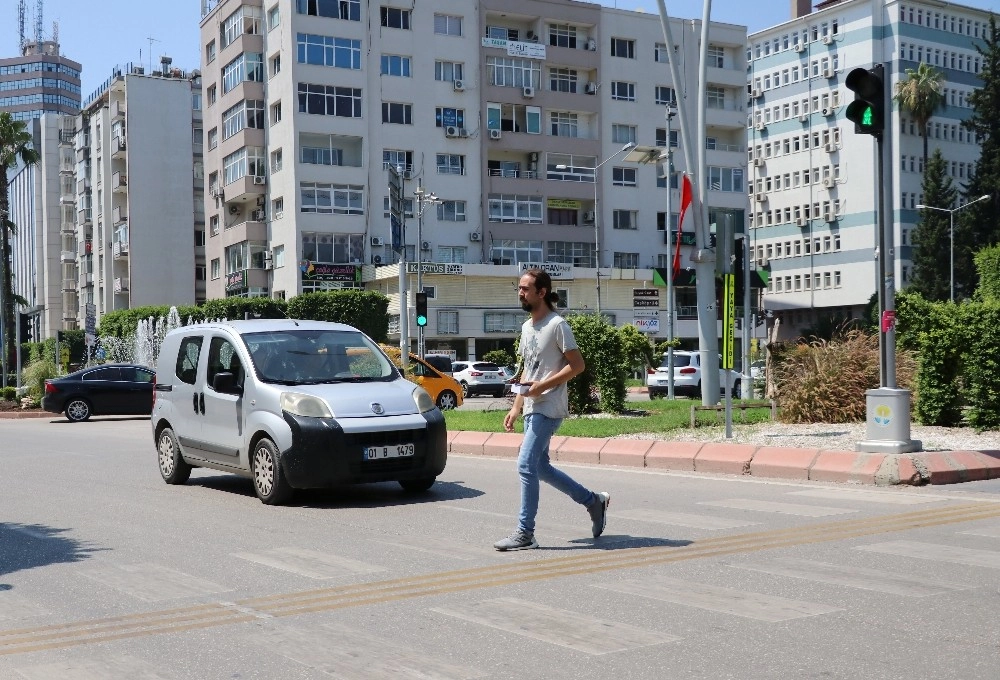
{"x":421,"y":320}
{"x":867,"y":117}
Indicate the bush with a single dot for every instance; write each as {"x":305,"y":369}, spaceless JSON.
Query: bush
{"x":35,"y":376}
{"x":8,"y":393}
{"x":825,"y":381}
{"x":607,"y":366}
{"x":365,"y":310}
{"x":500,"y":357}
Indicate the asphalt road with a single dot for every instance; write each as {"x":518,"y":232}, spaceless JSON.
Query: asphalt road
{"x":106,"y":572}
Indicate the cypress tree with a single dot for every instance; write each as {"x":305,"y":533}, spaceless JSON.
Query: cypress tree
{"x":932,"y":237}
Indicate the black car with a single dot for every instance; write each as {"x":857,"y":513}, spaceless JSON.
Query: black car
{"x":107,"y":390}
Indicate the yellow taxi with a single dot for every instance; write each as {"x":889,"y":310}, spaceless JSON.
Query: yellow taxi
{"x":444,"y":390}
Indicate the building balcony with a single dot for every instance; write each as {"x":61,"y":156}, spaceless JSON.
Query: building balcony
{"x":119,"y":214}
{"x":69,"y":284}
{"x":67,"y":256}
{"x":119,"y":250}
{"x":245,"y":189}
{"x":83,"y":185}
{"x":67,"y":228}
{"x":83,"y":247}
{"x":118,"y":109}
{"x":67,"y":199}
{"x":67,"y":137}
{"x":119,"y":182}
{"x":118,"y":147}
{"x":83,"y":216}
{"x":121,"y":285}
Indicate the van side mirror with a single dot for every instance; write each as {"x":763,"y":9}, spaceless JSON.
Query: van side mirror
{"x":224,"y":382}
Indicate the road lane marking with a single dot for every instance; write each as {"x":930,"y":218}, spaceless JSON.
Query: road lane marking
{"x":309,"y":563}
{"x":344,"y":653}
{"x":680,"y":519}
{"x":888,"y":497}
{"x":854,"y":577}
{"x":151,"y":582}
{"x":768,"y":608}
{"x":938,"y":553}
{"x":556,"y":626}
{"x":989,"y":532}
{"x":104,"y":668}
{"x":781,"y":508}
{"x":475,"y":578}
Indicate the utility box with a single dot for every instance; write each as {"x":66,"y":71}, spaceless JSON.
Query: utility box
{"x":888,"y":422}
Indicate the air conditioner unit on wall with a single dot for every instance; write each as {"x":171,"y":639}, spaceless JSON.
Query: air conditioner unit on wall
{"x":589,"y":216}
{"x":828,"y":39}
{"x":459,"y":85}
{"x":760,"y":127}
{"x":258,"y":215}
{"x":376,"y":259}
{"x":803,"y":117}
{"x":425,"y":245}
{"x":258,"y":179}
{"x":450,"y":131}
{"x":830,"y":182}
{"x":495,"y":134}
{"x":758,"y":162}
{"x":590,"y":88}
{"x":474,"y":236}
{"x":754,"y":93}
{"x":830,"y":147}
{"x":528,"y":92}
{"x":760,"y":197}
{"x":800,"y":222}
{"x":800,"y":47}
{"x":233,"y":209}
{"x":378,"y":241}
{"x":830,"y":216}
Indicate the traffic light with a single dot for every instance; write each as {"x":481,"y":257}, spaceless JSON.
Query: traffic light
{"x":421,"y":305}
{"x":739,"y":266}
{"x":24,"y":322}
{"x":396,"y":207}
{"x":867,"y":111}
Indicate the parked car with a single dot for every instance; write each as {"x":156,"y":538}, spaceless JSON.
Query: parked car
{"x":444,"y":390}
{"x":106,"y":390}
{"x":441,"y":362}
{"x":508,"y":373}
{"x":687,"y":377}
{"x":291,"y":405}
{"x":478,"y":377}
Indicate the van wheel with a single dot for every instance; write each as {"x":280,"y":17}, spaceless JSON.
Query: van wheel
{"x":173,"y":468}
{"x":447,"y":400}
{"x":268,"y":481}
{"x":416,"y":485}
{"x":77,"y":410}
{"x":465,"y":390}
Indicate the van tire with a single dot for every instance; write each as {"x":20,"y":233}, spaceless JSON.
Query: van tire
{"x":417,"y":485}
{"x":268,"y":480}
{"x":173,"y":468}
{"x":465,"y":390}
{"x":447,"y":400}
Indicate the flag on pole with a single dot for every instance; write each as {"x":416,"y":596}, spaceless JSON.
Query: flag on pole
{"x":685,"y":204}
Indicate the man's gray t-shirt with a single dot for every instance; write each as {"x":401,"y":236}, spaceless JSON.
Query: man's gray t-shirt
{"x":542,"y":347}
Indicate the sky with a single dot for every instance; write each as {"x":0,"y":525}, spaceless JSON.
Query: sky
{"x":126,"y":30}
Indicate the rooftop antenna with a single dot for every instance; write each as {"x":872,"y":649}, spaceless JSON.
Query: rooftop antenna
{"x":22,"y":9}
{"x":55,"y":32}
{"x":38,"y":27}
{"x":151,"y":40}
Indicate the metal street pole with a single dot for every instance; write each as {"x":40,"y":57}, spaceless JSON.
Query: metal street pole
{"x":951,"y":234}
{"x":597,"y":221}
{"x":669,"y":114}
{"x":746,"y":384}
{"x":419,"y":192}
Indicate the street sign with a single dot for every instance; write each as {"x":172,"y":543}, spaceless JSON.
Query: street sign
{"x":647,"y":324}
{"x":645,"y":302}
{"x":728,"y":319}
{"x":646,"y":292}
{"x":646,"y":313}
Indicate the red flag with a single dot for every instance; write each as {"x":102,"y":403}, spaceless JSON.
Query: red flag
{"x":685,"y":204}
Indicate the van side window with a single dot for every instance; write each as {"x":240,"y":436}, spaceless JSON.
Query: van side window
{"x":187,"y":359}
{"x":421,"y":369}
{"x":222,"y":358}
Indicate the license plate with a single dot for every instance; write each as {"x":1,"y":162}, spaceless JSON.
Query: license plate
{"x":394,"y":451}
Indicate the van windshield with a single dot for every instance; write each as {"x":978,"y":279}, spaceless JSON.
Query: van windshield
{"x":317,"y":356}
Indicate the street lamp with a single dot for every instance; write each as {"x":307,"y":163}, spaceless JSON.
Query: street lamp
{"x":424,"y":199}
{"x":951,"y":231}
{"x":597,"y":219}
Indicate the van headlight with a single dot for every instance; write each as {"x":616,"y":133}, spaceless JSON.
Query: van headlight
{"x":423,"y":400}
{"x":304,"y":405}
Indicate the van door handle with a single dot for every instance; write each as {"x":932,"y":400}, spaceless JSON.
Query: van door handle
{"x":194,"y":399}
{"x":201,"y":402}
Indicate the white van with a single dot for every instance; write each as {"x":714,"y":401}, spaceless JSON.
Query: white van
{"x":291,"y":405}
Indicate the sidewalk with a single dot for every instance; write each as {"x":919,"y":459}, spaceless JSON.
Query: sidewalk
{"x":820,"y":465}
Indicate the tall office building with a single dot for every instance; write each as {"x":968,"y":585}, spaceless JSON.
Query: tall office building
{"x":39,"y":81}
{"x":512,"y":113}
{"x":139,"y":190}
{"x":812,"y":186}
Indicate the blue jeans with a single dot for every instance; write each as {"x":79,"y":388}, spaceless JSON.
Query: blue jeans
{"x":533,"y":465}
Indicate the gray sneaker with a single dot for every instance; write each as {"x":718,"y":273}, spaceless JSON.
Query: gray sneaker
{"x":519,"y":540}
{"x":599,"y":511}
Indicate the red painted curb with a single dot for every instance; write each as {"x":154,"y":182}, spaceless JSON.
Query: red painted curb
{"x":18,"y":415}
{"x":630,"y":452}
{"x":732,"y":459}
{"x":782,"y":463}
{"x":846,"y":466}
{"x":673,"y":455}
{"x":579,"y":450}
{"x":503,"y":445}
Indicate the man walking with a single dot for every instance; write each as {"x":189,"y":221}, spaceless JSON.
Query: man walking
{"x":549,"y":358}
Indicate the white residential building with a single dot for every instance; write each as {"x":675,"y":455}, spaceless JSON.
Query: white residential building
{"x":812,"y":178}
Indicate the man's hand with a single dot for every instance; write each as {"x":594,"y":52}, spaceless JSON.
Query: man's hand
{"x":511,"y":418}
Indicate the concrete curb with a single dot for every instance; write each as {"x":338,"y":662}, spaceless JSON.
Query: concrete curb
{"x":18,"y":415}
{"x":821,"y":465}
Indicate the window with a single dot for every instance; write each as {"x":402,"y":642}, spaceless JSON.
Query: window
{"x":186,"y":367}
{"x":445,"y":116}
{"x":216,"y":268}
{"x":661,"y":54}
{"x":210,"y":52}
{"x":620,"y":47}
{"x":213,"y":138}
{"x":397,"y":158}
{"x":447,"y":322}
{"x":340,"y":199}
{"x":275,"y":112}
{"x":278,"y":257}
{"x":349,"y":10}
{"x":576,"y":253}
{"x":623,"y":134}
{"x":275,"y":161}
{"x":275,"y":65}
{"x":716,"y":56}
{"x":330,"y":100}
{"x":323,"y":50}
{"x":726,"y":179}
{"x":246,"y":20}
{"x":625,"y":219}
{"x":623,"y":177}
{"x":502,"y":322}
{"x":446,"y":24}
{"x":247,"y":66}
{"x":332,"y":248}
{"x":394,"y":65}
{"x":451,"y":211}
{"x":273,"y":18}
{"x":213,"y":225}
{"x":715,"y":97}
{"x":451,"y":254}
{"x":447,"y":71}
{"x":394,"y":17}
{"x":563,"y":124}
{"x":397,"y":113}
{"x":509,"y":72}
{"x":622,"y":91}
{"x":666,"y":96}
{"x":626,"y":261}
{"x":515,"y":208}
{"x":562,"y":35}
{"x":563,"y":80}
{"x":450,"y":164}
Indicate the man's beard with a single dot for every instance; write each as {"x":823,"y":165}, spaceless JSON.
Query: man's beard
{"x":527,"y":306}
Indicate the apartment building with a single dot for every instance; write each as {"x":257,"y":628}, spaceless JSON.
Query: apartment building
{"x":42,"y":88}
{"x":511,"y":113}
{"x":812,"y":179}
{"x":139,"y":180}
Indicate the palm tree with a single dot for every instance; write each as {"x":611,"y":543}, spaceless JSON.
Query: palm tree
{"x":921,"y":94}
{"x":15,"y":144}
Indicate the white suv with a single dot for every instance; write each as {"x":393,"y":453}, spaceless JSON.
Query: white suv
{"x":687,"y":377}
{"x":478,"y":377}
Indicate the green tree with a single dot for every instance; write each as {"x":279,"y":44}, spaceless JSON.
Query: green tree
{"x":976,"y":227}
{"x":920,"y":94}
{"x":988,"y":266}
{"x":15,"y":145}
{"x":932,"y":237}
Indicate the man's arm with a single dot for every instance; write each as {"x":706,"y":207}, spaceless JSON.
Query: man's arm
{"x":573,"y":368}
